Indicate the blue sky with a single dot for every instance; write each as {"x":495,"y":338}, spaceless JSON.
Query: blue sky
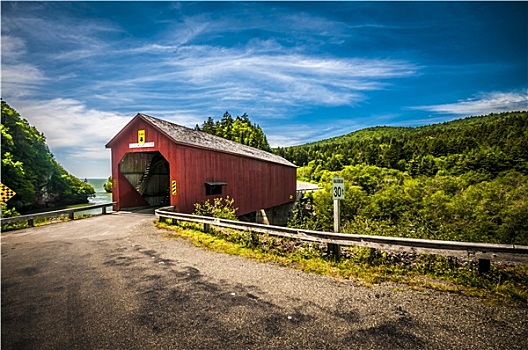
{"x":304,"y":71}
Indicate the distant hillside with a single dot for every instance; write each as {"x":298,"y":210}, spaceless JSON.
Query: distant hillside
{"x":375,"y":132}
{"x":491,"y":143}
{"x":29,"y":169}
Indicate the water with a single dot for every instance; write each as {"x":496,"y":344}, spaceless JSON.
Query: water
{"x":101,"y":196}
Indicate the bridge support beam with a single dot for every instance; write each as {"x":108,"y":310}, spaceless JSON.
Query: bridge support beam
{"x":277,"y":216}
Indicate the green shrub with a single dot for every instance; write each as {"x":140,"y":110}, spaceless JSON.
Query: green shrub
{"x":222,"y":208}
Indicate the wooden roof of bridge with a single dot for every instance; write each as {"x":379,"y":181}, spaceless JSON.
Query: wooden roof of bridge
{"x":187,"y":136}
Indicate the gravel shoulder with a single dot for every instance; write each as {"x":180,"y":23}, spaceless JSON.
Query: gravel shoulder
{"x":117,"y":282}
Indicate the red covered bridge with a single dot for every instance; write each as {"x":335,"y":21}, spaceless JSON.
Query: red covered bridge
{"x":155,"y":162}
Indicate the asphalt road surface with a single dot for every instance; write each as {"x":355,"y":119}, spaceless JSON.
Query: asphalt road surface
{"x":117,"y":282}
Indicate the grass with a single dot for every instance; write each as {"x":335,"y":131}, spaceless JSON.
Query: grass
{"x":503,"y":284}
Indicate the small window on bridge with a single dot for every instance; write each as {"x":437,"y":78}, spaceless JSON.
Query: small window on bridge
{"x":213,"y":188}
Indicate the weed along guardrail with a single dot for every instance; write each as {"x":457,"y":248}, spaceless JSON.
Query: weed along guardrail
{"x":30,"y":218}
{"x":483,"y":251}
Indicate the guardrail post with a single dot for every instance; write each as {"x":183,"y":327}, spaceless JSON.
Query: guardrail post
{"x":484,"y":265}
{"x":103,"y":210}
{"x":334,"y":251}
{"x":71,"y":215}
{"x":31,"y":223}
{"x":207,"y":228}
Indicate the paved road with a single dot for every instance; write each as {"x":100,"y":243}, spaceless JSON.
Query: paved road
{"x":116,"y":282}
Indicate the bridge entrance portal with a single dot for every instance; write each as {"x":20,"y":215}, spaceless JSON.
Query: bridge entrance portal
{"x":148,"y":173}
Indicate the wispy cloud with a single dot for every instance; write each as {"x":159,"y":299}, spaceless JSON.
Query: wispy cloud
{"x":483,"y":103}
{"x":12,"y":48}
{"x":18,"y":78}
{"x":180,"y":71}
{"x":61,"y":31}
{"x":208,"y":77}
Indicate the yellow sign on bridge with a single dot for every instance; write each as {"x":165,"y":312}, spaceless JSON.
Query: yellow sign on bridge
{"x":5,"y":193}
{"x":173,"y":187}
{"x":141,"y":136}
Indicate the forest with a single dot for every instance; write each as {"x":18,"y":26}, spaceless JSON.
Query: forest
{"x":29,"y":169}
{"x":463,"y":180}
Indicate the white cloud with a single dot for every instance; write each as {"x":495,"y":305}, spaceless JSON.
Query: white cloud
{"x":95,"y":68}
{"x":69,"y":125}
{"x":484,"y":103}
{"x":12,"y":47}
{"x":298,"y":133}
{"x":59,"y":31}
{"x":75,"y":134}
{"x":21,"y":79}
{"x":17,"y":77}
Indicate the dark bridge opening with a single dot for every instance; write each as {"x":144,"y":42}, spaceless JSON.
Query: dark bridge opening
{"x":148,"y":173}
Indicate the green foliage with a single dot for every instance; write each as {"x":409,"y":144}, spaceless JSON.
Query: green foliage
{"x":222,"y":208}
{"x":240,"y":130}
{"x":28,"y":168}
{"x":8,"y":212}
{"x":387,"y":202}
{"x":464,"y":180}
{"x":303,"y":216}
{"x":247,"y":239}
{"x":108,"y":185}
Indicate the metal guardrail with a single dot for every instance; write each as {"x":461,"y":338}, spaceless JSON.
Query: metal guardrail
{"x":71,"y":214}
{"x":518,"y":252}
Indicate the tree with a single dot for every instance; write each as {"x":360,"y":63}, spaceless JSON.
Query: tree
{"x":209,"y":126}
{"x":29,"y":168}
{"x":108,"y":185}
{"x":240,"y":130}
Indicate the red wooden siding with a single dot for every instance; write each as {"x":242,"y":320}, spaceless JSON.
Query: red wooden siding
{"x":254,"y":184}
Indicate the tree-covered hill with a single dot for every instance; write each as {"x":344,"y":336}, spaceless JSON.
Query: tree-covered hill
{"x":29,"y":168}
{"x":490,"y":144}
{"x":239,"y":129}
{"x":463,"y":180}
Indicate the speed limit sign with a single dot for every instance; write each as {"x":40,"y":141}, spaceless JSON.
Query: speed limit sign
{"x":338,"y":188}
